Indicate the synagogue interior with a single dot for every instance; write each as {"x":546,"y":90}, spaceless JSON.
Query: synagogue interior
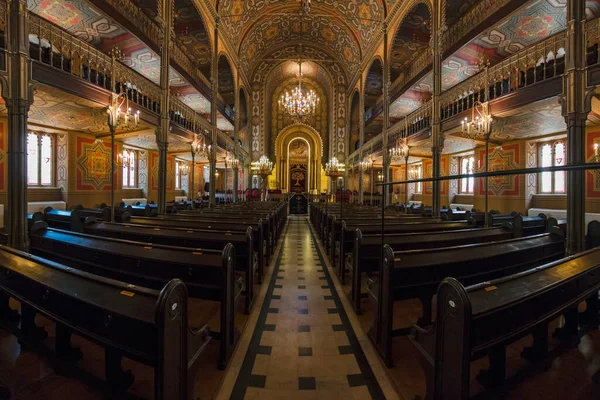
{"x":299,"y":199}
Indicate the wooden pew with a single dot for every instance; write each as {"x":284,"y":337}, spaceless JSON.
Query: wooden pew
{"x":366,"y":254}
{"x":333,"y":233}
{"x":146,"y":325}
{"x":416,"y":274}
{"x":208,"y":274}
{"x":246,"y":260}
{"x":260,"y":234}
{"x":348,"y":234}
{"x":481,"y":320}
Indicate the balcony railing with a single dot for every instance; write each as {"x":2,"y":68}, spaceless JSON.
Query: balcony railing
{"x":143,"y":22}
{"x":529,"y":66}
{"x":537,"y":63}
{"x":57,"y":48}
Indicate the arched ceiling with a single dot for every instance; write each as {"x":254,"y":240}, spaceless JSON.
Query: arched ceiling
{"x":320,"y":31}
{"x":289,"y":69}
{"x":411,"y":39}
{"x":360,"y":17}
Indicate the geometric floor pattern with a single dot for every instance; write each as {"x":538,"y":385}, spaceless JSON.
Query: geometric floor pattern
{"x":303,"y":346}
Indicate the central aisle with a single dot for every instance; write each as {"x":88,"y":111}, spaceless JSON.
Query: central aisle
{"x":303,"y":345}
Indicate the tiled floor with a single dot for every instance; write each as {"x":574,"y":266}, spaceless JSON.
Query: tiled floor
{"x":303,"y":345}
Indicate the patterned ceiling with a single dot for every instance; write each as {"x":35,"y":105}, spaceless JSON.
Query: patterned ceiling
{"x":55,"y":109}
{"x":529,"y":24}
{"x":86,"y":22}
{"x":148,"y":141}
{"x":536,"y":119}
{"x":348,"y":19}
{"x":319,"y":31}
{"x":412,"y":37}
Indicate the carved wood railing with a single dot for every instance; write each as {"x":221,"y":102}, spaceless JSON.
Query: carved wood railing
{"x":53,"y":46}
{"x":537,"y":63}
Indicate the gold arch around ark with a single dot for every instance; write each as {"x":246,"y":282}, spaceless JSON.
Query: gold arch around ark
{"x":282,"y":143}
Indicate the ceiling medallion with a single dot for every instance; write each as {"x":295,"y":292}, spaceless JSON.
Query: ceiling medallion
{"x":300,"y":104}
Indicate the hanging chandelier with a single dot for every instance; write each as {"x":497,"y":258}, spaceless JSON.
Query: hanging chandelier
{"x":201,"y":149}
{"x":300,"y":104}
{"x":399,"y":152}
{"x":366,"y":164}
{"x":262,"y":167}
{"x":334,"y":168}
{"x":480,"y":125}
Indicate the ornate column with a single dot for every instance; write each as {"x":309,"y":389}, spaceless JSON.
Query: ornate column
{"x":192,"y":194}
{"x":236,"y":134}
{"x":18,"y":97}
{"x":386,"y":160}
{"x":213,"y":117}
{"x":361,"y":138}
{"x":437,"y":136}
{"x":162,"y":132}
{"x":575,"y":109}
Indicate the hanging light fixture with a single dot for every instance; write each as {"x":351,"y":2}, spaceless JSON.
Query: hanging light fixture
{"x":399,"y":152}
{"x":123,"y":159}
{"x":596,"y":152}
{"x":300,"y":104}
{"x":334,"y":168}
{"x":184,"y":169}
{"x":200,"y":149}
{"x":413,"y":173}
{"x":262,"y":167}
{"x":480,"y":125}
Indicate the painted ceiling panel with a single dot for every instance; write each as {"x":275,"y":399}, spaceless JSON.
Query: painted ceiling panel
{"x":287,"y":29}
{"x":88,"y":23}
{"x":359,"y":15}
{"x":528,"y":25}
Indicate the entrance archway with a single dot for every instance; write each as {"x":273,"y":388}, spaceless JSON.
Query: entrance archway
{"x":299,"y":150}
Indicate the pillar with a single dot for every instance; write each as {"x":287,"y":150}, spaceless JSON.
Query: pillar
{"x":162,"y":132}
{"x":386,"y":159}
{"x":437,"y":136}
{"x":236,"y":133}
{"x":361,"y":138}
{"x":575,"y":111}
{"x":212,"y":188}
{"x":18,"y":97}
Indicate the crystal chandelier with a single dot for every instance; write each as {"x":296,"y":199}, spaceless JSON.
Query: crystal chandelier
{"x":262,"y":167}
{"x":334,"y":168}
{"x":299,"y":104}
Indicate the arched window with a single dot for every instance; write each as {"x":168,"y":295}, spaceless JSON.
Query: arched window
{"x":40,"y":159}
{"x":130,"y":169}
{"x":467,"y":166}
{"x":552,"y":154}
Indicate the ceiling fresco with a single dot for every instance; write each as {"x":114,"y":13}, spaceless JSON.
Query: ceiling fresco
{"x":88,"y":23}
{"x":528,"y":25}
{"x":412,"y":37}
{"x":357,"y":18}
{"x":316,"y":31}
